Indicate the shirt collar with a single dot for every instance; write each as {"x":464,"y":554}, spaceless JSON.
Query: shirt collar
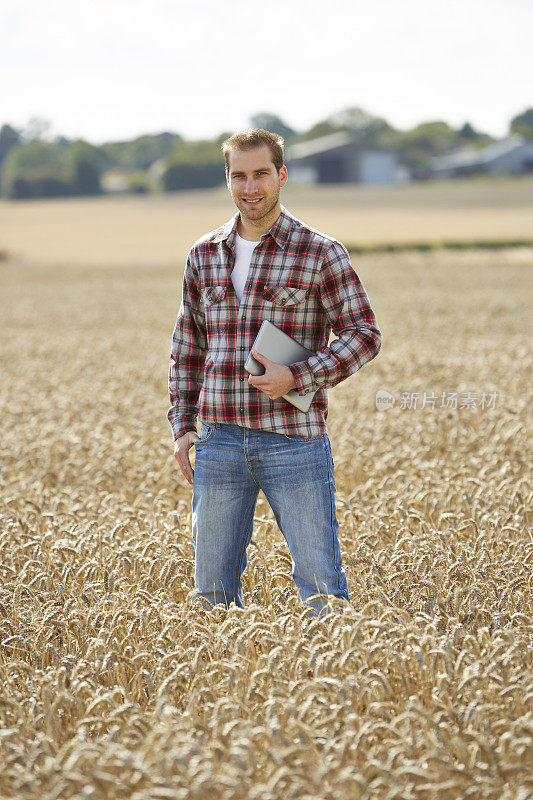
{"x":280,"y":230}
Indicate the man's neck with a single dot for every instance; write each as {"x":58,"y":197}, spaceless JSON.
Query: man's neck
{"x":248,"y":229}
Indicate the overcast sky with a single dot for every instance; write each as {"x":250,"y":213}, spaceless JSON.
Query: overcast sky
{"x":113,"y":69}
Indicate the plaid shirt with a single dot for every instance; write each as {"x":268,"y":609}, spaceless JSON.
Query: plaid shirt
{"x":303,"y":282}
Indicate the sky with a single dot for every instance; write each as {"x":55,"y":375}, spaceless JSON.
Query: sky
{"x":114,"y":69}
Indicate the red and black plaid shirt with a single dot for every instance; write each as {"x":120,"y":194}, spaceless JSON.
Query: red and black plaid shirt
{"x":303,"y":282}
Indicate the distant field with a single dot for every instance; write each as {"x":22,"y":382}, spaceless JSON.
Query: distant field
{"x":121,"y":231}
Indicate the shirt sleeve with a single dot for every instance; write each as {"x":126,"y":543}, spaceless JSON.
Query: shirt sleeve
{"x":187,"y":357}
{"x":345,"y":302}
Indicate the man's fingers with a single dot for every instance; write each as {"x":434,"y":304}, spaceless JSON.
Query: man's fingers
{"x":257,"y":384}
{"x":186,"y":467}
{"x":265,"y":391}
{"x":261,"y":383}
{"x":259,"y":357}
{"x":181,"y":454}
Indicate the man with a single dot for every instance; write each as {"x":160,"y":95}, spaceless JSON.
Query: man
{"x":263,"y":264}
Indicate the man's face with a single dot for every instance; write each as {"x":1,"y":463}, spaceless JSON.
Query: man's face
{"x":254,"y":181}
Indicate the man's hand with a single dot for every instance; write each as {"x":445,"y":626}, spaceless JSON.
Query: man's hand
{"x":277,"y":380}
{"x":181,"y":453}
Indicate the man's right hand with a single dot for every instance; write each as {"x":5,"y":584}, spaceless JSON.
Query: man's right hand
{"x":181,"y":453}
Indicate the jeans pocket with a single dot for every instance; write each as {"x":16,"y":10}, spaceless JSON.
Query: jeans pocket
{"x":207,"y":431}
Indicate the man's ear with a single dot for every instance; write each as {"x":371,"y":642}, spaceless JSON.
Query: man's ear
{"x":282,"y":175}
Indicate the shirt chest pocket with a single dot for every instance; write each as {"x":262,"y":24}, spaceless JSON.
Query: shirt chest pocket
{"x":285,"y":296}
{"x":212,"y":295}
{"x":216,"y":310}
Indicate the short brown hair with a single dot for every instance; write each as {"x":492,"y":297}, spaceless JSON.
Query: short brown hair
{"x":255,"y":137}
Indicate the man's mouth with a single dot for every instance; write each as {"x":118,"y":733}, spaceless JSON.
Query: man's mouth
{"x":252,"y":202}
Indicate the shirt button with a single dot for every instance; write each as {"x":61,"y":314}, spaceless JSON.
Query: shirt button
{"x":282,"y":301}
{"x":241,"y":410}
{"x":243,"y":316}
{"x":242,"y":379}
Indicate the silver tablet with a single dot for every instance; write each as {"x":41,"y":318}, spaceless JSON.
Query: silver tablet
{"x":278,"y":346}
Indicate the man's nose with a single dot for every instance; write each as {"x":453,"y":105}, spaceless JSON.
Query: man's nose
{"x":250,"y":186}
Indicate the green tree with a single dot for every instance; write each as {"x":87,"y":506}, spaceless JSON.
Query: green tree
{"x":141,"y":152}
{"x":523,"y":124}
{"x":20,"y":189}
{"x":467,"y":136}
{"x":416,"y":147}
{"x":9,"y":137}
{"x":194,"y":165}
{"x":85,"y":163}
{"x":86,"y":178}
{"x":322,"y":128}
{"x":468,"y":133}
{"x":432,"y":138}
{"x":366,"y":129}
{"x":273,"y":123}
{"x":40,"y":166}
{"x":79,"y":150}
{"x":37,"y":129}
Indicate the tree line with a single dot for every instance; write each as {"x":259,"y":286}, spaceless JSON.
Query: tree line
{"x":32,"y":165}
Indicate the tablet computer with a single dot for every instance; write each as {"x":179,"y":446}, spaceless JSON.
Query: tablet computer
{"x":278,"y":346}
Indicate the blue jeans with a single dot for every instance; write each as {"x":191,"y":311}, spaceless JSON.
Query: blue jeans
{"x":232,"y":463}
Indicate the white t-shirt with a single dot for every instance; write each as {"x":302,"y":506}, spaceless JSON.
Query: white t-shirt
{"x":243,"y":256}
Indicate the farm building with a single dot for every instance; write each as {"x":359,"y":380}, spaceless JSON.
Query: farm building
{"x":338,"y":158}
{"x":513,"y":155}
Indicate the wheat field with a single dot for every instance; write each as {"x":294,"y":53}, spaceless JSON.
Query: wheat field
{"x":112,"y":684}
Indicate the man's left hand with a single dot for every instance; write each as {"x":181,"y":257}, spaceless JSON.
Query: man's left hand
{"x":277,"y":379}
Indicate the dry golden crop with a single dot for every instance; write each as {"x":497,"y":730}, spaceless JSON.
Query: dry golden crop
{"x":113,"y":685}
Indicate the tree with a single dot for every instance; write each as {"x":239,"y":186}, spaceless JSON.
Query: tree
{"x":141,"y":152}
{"x":432,"y":138}
{"x":523,"y":124}
{"x":36,"y":129}
{"x":322,"y":128}
{"x":9,"y":137}
{"x":359,"y":121}
{"x":194,"y":165}
{"x":80,"y":150}
{"x":32,"y":156}
{"x":273,"y":123}
{"x":20,"y":189}
{"x":416,"y":147}
{"x":35,"y":169}
{"x":467,"y":136}
{"x":468,"y":133}
{"x":86,"y":178}
{"x":365,"y":128}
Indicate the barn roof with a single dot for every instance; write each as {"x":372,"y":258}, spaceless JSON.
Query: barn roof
{"x":322,"y":144}
{"x":467,"y":156}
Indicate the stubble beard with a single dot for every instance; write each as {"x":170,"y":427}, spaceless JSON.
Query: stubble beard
{"x":244,"y":209}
